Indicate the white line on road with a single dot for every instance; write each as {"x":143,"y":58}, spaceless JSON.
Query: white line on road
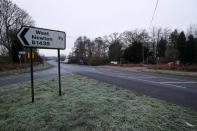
{"x":175,"y":85}
{"x":145,"y":77}
{"x":157,"y":82}
{"x":171,"y":79}
{"x":177,"y":82}
{"x":141,"y":79}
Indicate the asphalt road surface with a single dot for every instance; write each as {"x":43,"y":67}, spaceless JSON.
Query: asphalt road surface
{"x":175,"y":89}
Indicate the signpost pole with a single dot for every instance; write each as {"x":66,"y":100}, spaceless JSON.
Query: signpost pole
{"x":25,"y":59}
{"x":60,"y":93}
{"x":32,"y":77}
{"x":143,"y":53}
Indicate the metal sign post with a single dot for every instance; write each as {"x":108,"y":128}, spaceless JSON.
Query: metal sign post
{"x":32,"y":37}
{"x":59,"y":75}
{"x":19,"y":57}
{"x":32,"y":76}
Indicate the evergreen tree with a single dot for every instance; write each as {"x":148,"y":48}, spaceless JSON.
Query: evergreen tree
{"x":115,"y":51}
{"x":190,"y":50}
{"x":172,"y":51}
{"x":134,"y":52}
{"x":195,"y":50}
{"x":161,"y":47}
{"x":173,"y":38}
{"x":182,"y":45}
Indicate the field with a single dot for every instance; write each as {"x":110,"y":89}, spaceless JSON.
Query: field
{"x":87,"y":104}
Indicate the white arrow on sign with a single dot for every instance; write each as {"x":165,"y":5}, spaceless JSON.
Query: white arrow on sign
{"x":42,"y":38}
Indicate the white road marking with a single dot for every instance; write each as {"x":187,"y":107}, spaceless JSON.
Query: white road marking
{"x":151,"y":76}
{"x":142,"y":80}
{"x":175,"y":85}
{"x":171,"y":79}
{"x":177,"y":82}
{"x":144,"y":77}
{"x":140,"y":77}
{"x":157,"y":82}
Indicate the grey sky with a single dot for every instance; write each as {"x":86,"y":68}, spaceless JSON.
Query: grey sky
{"x":95,"y":18}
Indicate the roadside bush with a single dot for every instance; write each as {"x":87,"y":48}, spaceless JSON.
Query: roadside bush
{"x":151,"y":60}
{"x":97,"y":60}
{"x":73,"y":60}
{"x":163,"y":60}
{"x":7,"y":66}
{"x":190,"y":68}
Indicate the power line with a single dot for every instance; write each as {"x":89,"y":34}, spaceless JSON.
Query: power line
{"x":150,"y":26}
{"x":154,"y":13}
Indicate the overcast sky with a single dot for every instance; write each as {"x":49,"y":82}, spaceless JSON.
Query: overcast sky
{"x":93,"y":18}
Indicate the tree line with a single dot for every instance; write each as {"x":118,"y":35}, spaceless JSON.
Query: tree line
{"x":12,"y":18}
{"x":157,"y":45}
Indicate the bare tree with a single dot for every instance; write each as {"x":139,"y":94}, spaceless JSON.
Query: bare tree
{"x":166,"y":33}
{"x":156,"y":35}
{"x":136,"y":36}
{"x":83,"y":48}
{"x":192,"y":30}
{"x":100,"y":47}
{"x":3,"y":50}
{"x":109,"y":39}
{"x":12,"y":18}
{"x":139,"y":36}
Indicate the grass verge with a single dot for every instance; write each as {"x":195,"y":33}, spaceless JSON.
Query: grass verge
{"x":24,"y":70}
{"x":87,"y":104}
{"x":178,"y":73}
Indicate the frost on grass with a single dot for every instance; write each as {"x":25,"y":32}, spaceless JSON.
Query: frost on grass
{"x":87,"y":104}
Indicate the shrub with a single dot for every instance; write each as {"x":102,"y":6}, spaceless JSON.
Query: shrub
{"x":97,"y":60}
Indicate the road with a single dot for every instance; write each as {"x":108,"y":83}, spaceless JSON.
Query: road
{"x":175,"y":89}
